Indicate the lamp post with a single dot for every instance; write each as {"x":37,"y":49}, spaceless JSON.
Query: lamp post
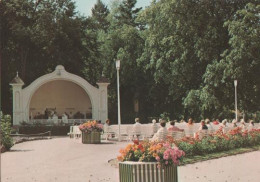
{"x":118,"y":99}
{"x":235,"y":83}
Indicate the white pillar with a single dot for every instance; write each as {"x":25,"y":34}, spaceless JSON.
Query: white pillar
{"x":18,"y":112}
{"x":103,"y":107}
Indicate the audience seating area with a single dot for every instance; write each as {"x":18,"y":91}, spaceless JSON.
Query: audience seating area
{"x":127,"y":134}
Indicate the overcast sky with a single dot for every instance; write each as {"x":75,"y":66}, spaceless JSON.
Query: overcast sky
{"x":85,"y":6}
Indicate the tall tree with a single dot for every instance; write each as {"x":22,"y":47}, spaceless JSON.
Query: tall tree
{"x":39,"y":35}
{"x":99,"y":16}
{"x":127,"y":13}
{"x":123,"y":41}
{"x":182,"y":38}
{"x":240,"y":61}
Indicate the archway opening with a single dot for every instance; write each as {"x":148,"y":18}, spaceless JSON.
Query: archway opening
{"x":60,"y":97}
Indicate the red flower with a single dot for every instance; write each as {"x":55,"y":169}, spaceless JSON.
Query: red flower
{"x":136,"y":142}
{"x":140,"y":146}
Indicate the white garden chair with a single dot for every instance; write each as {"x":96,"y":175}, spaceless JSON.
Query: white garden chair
{"x":71,"y":134}
{"x":76,"y":131}
{"x":203,"y":133}
{"x":176,"y":134}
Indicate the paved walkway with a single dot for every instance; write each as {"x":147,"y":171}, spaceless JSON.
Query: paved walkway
{"x":67,"y":160}
{"x":237,"y":168}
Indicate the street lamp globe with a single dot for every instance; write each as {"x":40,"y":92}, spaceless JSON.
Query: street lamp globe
{"x":235,"y":83}
{"x":117,"y":64}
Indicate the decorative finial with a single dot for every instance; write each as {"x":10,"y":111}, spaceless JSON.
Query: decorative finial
{"x":17,"y":74}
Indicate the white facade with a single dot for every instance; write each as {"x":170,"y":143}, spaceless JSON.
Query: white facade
{"x":22,"y":98}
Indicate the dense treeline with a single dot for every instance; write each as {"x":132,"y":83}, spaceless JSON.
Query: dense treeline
{"x":178,"y":57}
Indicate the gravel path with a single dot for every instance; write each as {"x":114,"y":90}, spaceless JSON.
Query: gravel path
{"x":67,"y":160}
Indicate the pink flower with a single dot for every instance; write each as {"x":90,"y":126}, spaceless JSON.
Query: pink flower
{"x":166,"y":156}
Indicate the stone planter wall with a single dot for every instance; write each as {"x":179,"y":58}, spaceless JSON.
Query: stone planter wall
{"x":91,"y":138}
{"x":146,"y":172}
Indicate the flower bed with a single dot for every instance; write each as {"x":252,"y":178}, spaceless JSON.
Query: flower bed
{"x":171,"y":152}
{"x":155,"y":151}
{"x":219,"y":141}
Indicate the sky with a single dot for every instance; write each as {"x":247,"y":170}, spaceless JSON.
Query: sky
{"x":85,"y":6}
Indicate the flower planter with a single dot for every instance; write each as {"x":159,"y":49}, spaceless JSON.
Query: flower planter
{"x":91,"y":138}
{"x":146,"y":172}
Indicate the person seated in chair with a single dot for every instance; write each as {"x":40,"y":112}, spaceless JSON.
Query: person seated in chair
{"x":216,"y":122}
{"x":243,"y":125}
{"x":161,"y":133}
{"x":251,"y":125}
{"x":137,"y":128}
{"x":190,"y":128}
{"x":173,"y":127}
{"x":107,"y":130}
{"x":209,"y":125}
{"x":154,"y":127}
{"x":203,"y":126}
{"x":224,"y":126}
{"x":234,"y":123}
{"x":203,"y":130}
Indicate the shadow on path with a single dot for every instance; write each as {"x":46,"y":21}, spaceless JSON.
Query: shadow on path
{"x":102,"y":143}
{"x":29,"y":150}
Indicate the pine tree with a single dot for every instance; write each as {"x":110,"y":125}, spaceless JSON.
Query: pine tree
{"x":127,"y":13}
{"x":99,"y":16}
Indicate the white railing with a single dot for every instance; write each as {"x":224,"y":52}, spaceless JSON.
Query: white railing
{"x":146,"y":129}
{"x":57,"y":121}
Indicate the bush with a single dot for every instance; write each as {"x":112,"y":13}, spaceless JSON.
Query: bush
{"x":6,"y":129}
{"x":187,"y":147}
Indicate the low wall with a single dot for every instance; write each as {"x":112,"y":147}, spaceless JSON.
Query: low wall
{"x":55,"y":130}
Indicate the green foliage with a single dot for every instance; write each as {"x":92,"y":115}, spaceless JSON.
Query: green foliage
{"x":239,"y":61}
{"x":38,"y":36}
{"x":179,"y":57}
{"x":99,"y":16}
{"x":6,"y":130}
{"x":185,"y":42}
{"x":126,"y":13}
{"x":188,"y":148}
{"x":165,"y":116}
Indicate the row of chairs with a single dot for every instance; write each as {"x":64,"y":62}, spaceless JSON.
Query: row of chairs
{"x":128,"y":134}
